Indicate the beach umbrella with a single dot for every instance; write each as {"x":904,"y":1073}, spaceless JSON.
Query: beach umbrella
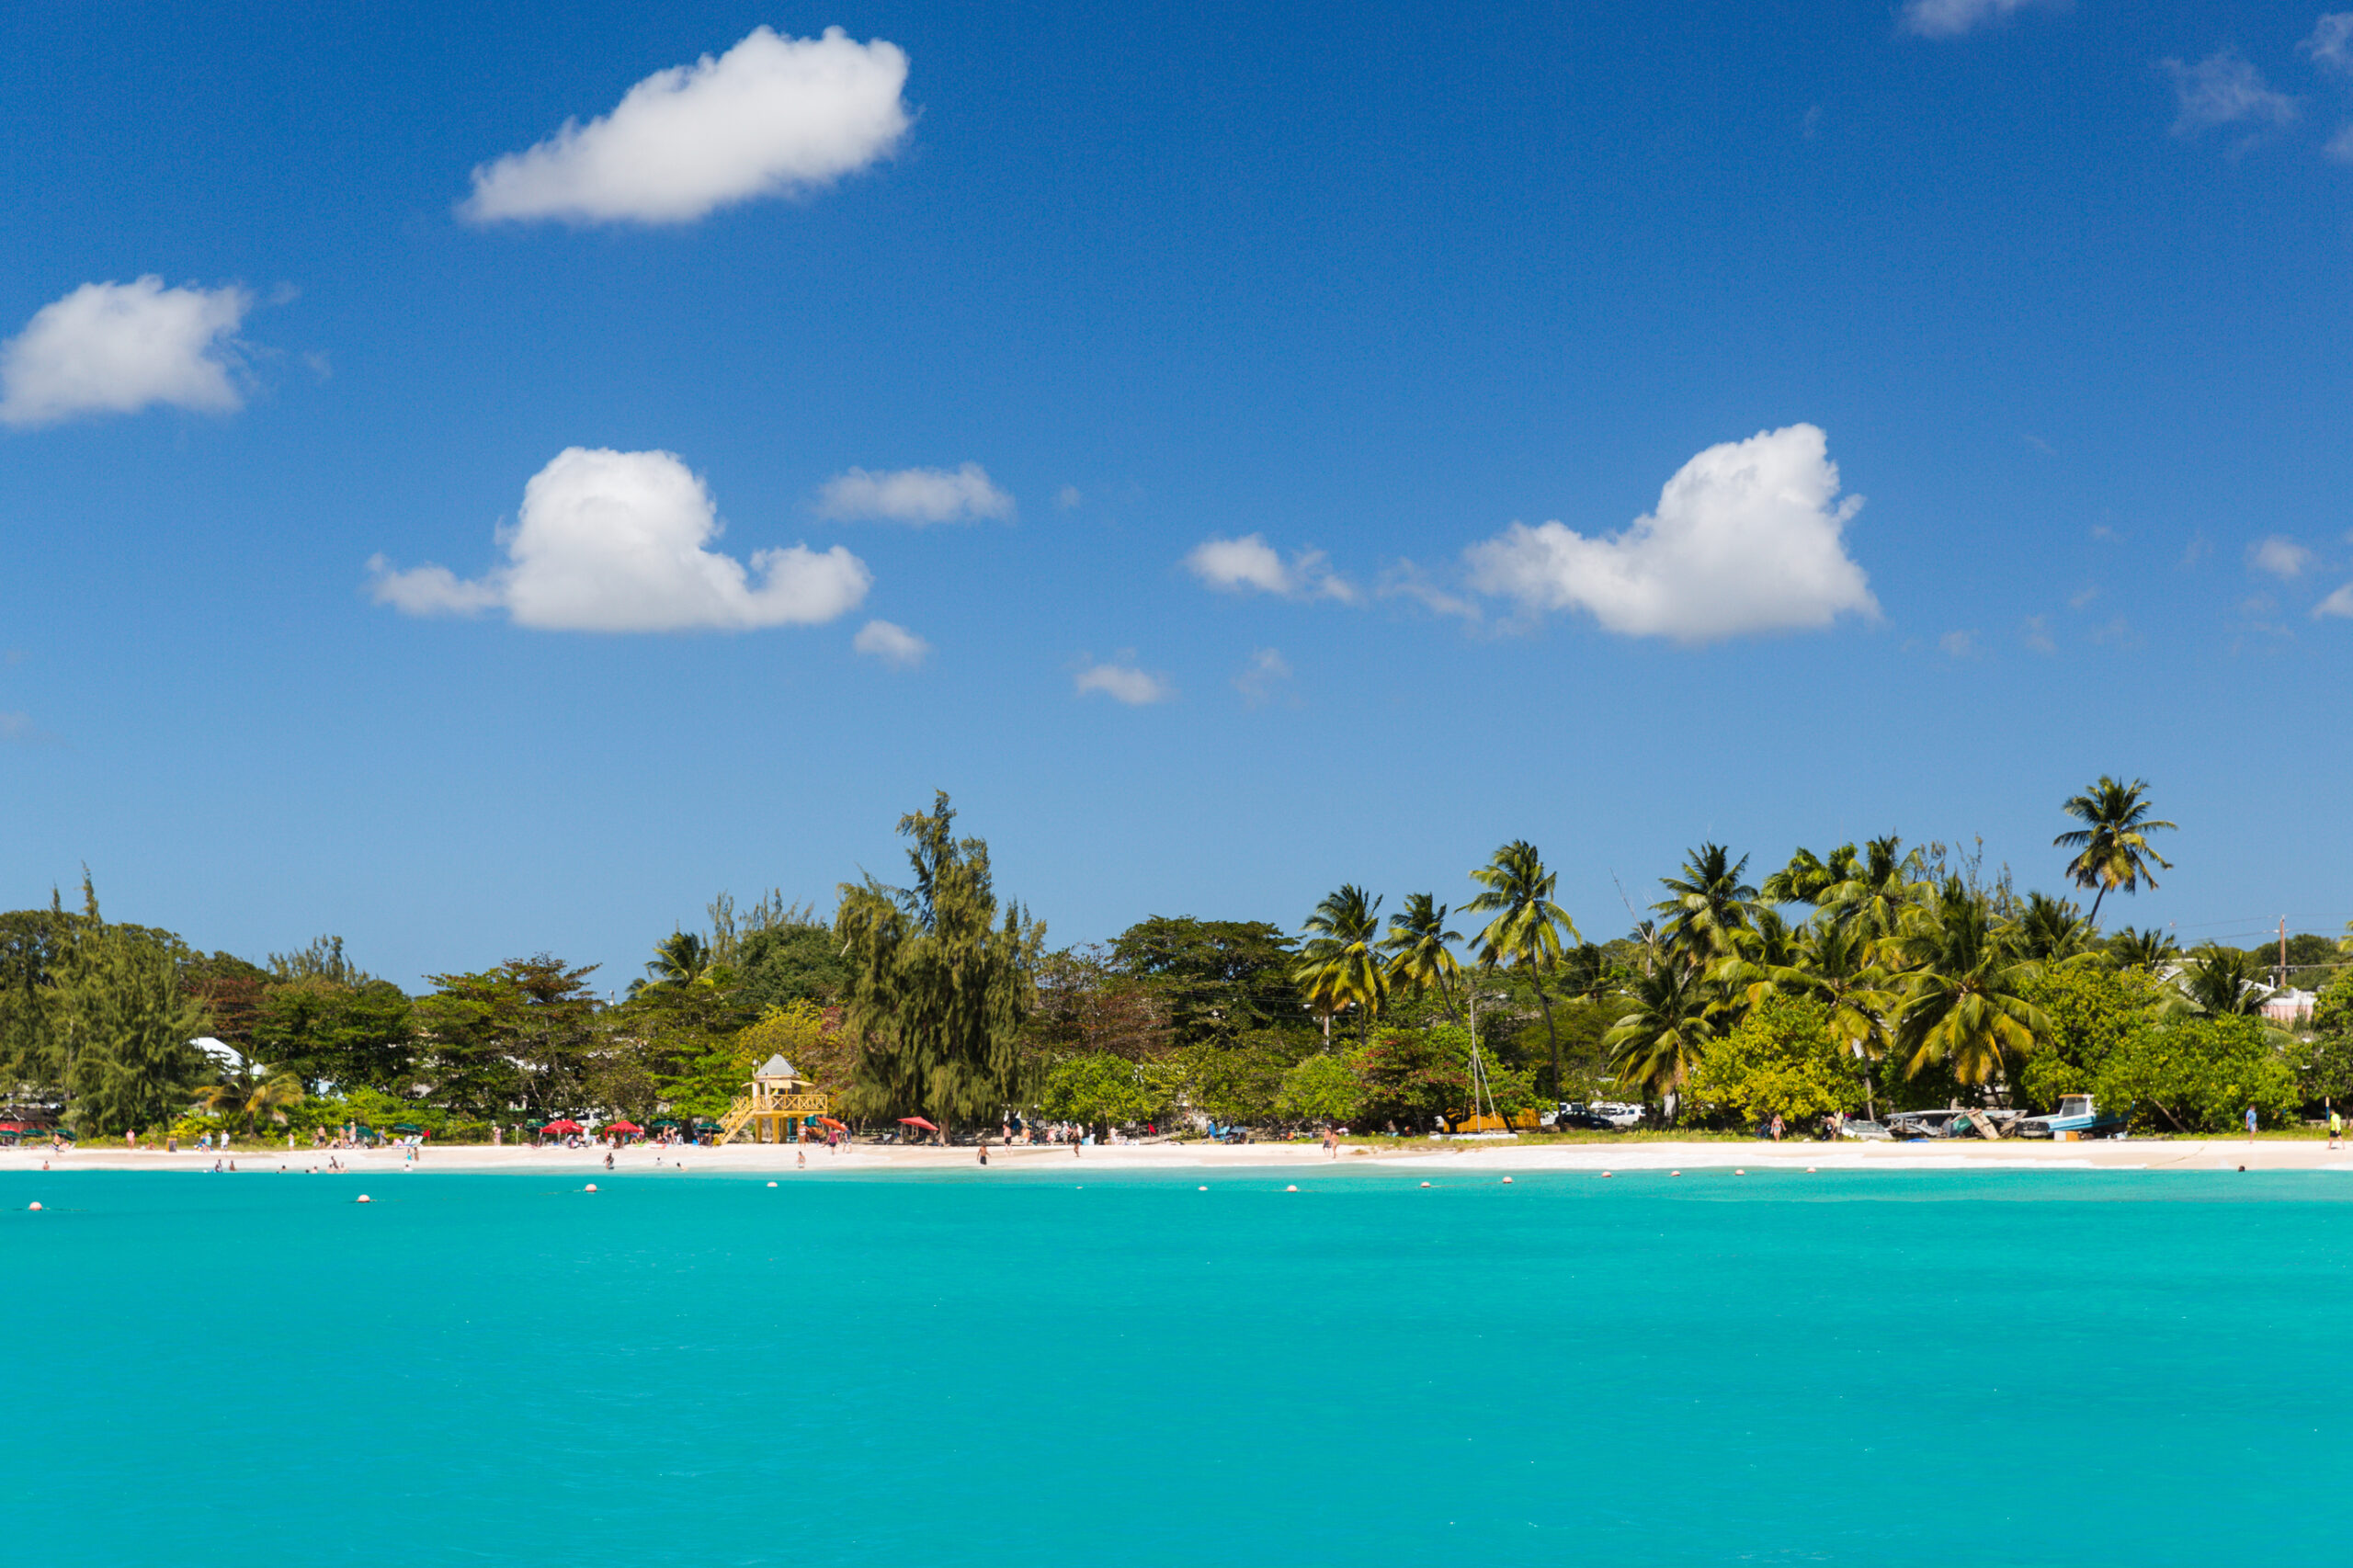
{"x":564,"y":1124}
{"x":836,"y":1126}
{"x":666,"y":1121}
{"x":918,"y":1121}
{"x":624,"y":1125}
{"x":406,"y":1127}
{"x":14,"y":1127}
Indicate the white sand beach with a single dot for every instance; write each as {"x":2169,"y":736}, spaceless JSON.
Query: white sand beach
{"x":1497,"y":1158}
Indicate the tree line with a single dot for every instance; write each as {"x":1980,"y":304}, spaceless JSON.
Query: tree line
{"x":1858,"y":978}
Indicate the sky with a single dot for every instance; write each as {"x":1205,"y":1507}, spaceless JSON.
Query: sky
{"x":481,"y":481}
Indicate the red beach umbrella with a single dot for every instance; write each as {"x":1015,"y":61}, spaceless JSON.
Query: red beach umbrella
{"x":916,"y":1122}
{"x":14,"y":1127}
{"x":624,"y":1126}
{"x":565,"y":1125}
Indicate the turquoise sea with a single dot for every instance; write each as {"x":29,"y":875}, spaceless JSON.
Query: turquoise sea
{"x":997,"y":1367}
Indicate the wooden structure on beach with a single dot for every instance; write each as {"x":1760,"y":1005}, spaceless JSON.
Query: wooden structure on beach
{"x":776,"y":1105}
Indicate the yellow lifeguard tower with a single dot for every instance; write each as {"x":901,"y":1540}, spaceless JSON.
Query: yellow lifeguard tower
{"x":777,"y":1104}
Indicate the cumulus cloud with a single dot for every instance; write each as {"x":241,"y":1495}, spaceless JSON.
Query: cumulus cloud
{"x":773,"y":116}
{"x":118,"y":348}
{"x":2224,"y":89}
{"x":1951,"y":18}
{"x":2339,"y":603}
{"x":1748,"y":537}
{"x":1123,"y":682}
{"x":1249,"y":564}
{"x":618,"y":542}
{"x":2332,"y":40}
{"x":916,"y":495}
{"x":2281,"y":556}
{"x":893,"y":644}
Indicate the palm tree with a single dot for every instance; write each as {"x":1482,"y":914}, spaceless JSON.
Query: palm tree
{"x":2049,"y":930}
{"x":1882,"y":882}
{"x":2143,"y":949}
{"x":2220,"y":983}
{"x":1707,"y":903}
{"x":253,"y":1101}
{"x":1832,"y":963}
{"x":1339,"y":968}
{"x":1528,"y":927}
{"x":1962,"y":1005}
{"x":679,"y":958}
{"x":1420,"y":952}
{"x":1654,"y":1047}
{"x":1808,"y":877}
{"x":2112,"y":845}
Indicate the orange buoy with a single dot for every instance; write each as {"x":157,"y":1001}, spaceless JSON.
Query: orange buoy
{"x":1675,"y":1173}
{"x":1606,"y":1174}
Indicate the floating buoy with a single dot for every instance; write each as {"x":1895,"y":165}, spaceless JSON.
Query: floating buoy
{"x":1286,"y":1189}
{"x":771,"y":1184}
{"x":1809,"y":1170}
{"x":1675,"y":1173}
{"x":1425,"y":1183}
{"x":1606,"y":1174}
{"x":592,"y":1186}
{"x":33,"y":1208}
{"x":1507,"y":1181}
{"x":1739,"y":1173}
{"x":1201,"y":1189}
{"x":363,"y":1197}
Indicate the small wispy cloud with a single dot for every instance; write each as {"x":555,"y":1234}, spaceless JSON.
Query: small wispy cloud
{"x":2332,"y":41}
{"x":1068,"y":497}
{"x":2036,"y":634}
{"x":1958,"y":644}
{"x":2281,"y":556}
{"x":893,"y":644}
{"x":1951,"y":18}
{"x":2225,"y":88}
{"x":2338,"y":604}
{"x":918,"y":495}
{"x":1249,"y":564}
{"x":1123,"y":682}
{"x":1267,"y":670}
{"x":2082,"y":596}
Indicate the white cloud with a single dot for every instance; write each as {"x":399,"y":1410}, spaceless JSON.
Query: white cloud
{"x":916,"y":495}
{"x":2339,"y":147}
{"x":2281,"y":556}
{"x":773,"y":116}
{"x":1951,"y":18}
{"x":1958,"y":644}
{"x":1747,"y":538}
{"x":2339,"y":603}
{"x":118,"y":347}
{"x":1124,"y":683}
{"x":893,"y":644}
{"x":1250,"y":564}
{"x":2036,"y":634}
{"x":2332,"y":40}
{"x":1267,"y":670}
{"x":2224,"y":89}
{"x":1067,"y":497}
{"x":616,"y":541}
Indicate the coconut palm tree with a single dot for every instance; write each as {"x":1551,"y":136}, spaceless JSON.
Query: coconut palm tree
{"x":1340,"y":966}
{"x":1962,"y":1005}
{"x":2112,"y":846}
{"x":2050,"y":930}
{"x":1420,"y":950}
{"x":254,"y":1099}
{"x":1808,"y":877}
{"x":1833,"y":964}
{"x":2220,"y":983}
{"x":1882,"y":882}
{"x":2143,"y":949}
{"x":1528,"y":929}
{"x":1654,"y":1047}
{"x":1707,"y":903}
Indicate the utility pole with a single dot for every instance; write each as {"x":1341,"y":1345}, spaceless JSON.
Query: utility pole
{"x":2283,"y":952}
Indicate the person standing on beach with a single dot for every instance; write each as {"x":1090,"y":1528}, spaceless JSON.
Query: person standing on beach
{"x":1777,"y":1127}
{"x":2336,"y":1127}
{"x":2250,"y":1124}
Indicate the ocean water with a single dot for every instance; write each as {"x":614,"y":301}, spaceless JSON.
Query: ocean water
{"x":1857,"y":1367}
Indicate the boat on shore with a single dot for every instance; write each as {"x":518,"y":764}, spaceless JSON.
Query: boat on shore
{"x":2077,"y":1116}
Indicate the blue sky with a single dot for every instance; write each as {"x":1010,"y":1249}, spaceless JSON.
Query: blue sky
{"x":1259,"y":333}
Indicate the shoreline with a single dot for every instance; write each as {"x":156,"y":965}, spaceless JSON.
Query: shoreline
{"x":771,"y":1159}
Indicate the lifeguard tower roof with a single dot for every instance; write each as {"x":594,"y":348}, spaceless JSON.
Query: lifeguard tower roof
{"x":775,"y":1067}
